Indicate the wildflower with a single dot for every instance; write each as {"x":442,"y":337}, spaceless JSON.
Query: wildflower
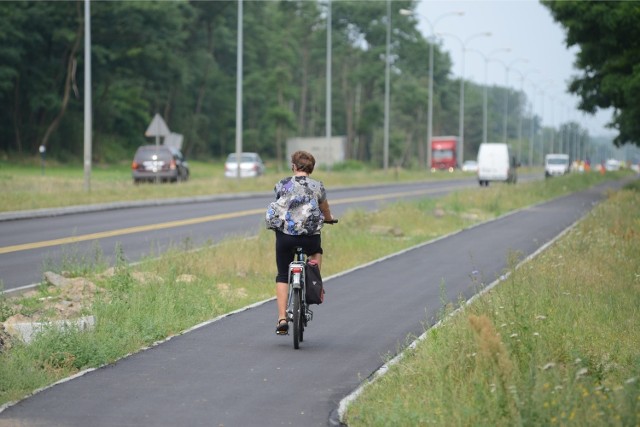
{"x":535,"y":334}
{"x":631,"y":380}
{"x":503,"y":325}
{"x":577,"y":361}
{"x":581,"y":372}
{"x":548,"y":366}
{"x":540,"y":317}
{"x":514,"y":335}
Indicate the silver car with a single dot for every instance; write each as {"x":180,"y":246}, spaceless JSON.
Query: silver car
{"x":251,"y":165}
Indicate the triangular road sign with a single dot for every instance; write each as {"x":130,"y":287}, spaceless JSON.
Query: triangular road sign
{"x":157,"y":127}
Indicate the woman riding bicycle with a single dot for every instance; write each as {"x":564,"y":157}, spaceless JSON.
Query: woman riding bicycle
{"x":297,"y":215}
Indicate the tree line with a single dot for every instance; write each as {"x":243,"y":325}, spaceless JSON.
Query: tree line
{"x":178,"y":59}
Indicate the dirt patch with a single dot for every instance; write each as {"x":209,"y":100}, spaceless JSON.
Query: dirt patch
{"x":68,"y":298}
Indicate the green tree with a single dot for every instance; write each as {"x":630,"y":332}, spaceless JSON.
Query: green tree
{"x":608,"y":35}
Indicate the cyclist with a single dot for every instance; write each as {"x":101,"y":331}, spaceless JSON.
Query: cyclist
{"x":297,"y":215}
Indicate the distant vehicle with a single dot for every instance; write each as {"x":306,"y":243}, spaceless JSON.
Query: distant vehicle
{"x":159,"y":163}
{"x":495,"y":163}
{"x":612,"y":165}
{"x":470,"y":166}
{"x":251,"y":165}
{"x":556,"y":165}
{"x":443,"y":153}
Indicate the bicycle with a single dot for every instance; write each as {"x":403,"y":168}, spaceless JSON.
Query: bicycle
{"x":298,"y":311}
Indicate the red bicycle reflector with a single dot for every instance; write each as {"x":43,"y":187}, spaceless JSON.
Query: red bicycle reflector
{"x":297,"y":269}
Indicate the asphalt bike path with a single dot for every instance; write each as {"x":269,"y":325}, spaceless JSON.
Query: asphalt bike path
{"x":235,"y":371}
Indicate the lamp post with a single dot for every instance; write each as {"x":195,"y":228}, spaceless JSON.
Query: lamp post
{"x":506,"y":96}
{"x":386,"y":91}
{"x":487,"y":59}
{"x":523,"y":76}
{"x":239,"y":92}
{"x":328,"y":88}
{"x":463,"y":45}
{"x":88,"y":109}
{"x":531,"y":129}
{"x":541,"y":89}
{"x":432,"y":40}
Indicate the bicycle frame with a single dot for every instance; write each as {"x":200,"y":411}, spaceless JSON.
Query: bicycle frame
{"x":298,"y":311}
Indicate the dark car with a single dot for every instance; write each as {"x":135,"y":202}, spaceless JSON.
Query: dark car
{"x":159,"y":163}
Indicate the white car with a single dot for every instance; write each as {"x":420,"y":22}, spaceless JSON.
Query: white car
{"x":556,"y":164}
{"x":470,"y":166}
{"x":612,"y":165}
{"x":251,"y":165}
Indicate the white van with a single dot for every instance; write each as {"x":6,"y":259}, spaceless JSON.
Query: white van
{"x":556,"y":165}
{"x":495,"y":163}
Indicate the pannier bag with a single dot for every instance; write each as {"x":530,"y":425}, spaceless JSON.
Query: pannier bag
{"x":315,"y":291}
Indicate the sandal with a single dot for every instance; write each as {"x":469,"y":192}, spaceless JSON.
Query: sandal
{"x":283,"y":327}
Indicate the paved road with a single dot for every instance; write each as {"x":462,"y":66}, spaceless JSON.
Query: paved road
{"x":237,"y":372}
{"x":36,"y":241}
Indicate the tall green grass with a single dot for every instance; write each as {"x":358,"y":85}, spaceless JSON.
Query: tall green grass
{"x":558,"y":343}
{"x":143,"y":303}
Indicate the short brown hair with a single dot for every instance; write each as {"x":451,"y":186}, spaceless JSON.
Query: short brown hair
{"x":303,"y":161}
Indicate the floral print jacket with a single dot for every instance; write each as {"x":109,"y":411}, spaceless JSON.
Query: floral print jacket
{"x":296,"y":210}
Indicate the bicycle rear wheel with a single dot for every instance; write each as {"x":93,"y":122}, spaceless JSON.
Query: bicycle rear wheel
{"x":302,"y":320}
{"x":297,"y":318}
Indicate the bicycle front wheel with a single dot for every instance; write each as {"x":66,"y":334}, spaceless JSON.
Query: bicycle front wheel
{"x":297,"y":318}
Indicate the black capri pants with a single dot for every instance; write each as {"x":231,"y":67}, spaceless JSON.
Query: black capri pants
{"x":285,"y":249}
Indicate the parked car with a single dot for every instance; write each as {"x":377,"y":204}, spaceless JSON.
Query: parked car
{"x":470,"y":166}
{"x":159,"y":163}
{"x":251,"y":165}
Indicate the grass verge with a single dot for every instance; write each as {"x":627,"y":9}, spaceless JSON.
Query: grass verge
{"x":25,"y":187}
{"x":139,"y":305}
{"x":555,"y":344}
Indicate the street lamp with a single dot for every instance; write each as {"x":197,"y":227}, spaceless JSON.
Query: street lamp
{"x":506,"y":96}
{"x":88,"y":108}
{"x":432,"y":39}
{"x":386,"y":90}
{"x":541,"y":89}
{"x":239,"y":54}
{"x":463,"y":44}
{"x":487,"y":59}
{"x":523,"y":76}
{"x":328,"y":87}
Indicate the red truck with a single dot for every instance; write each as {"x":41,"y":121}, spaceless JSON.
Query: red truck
{"x":444,"y":150}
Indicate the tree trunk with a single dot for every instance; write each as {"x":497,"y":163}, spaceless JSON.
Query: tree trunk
{"x":16,"y":114}
{"x":67,"y":82}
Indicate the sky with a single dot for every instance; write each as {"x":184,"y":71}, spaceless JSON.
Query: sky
{"x":523,"y":37}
